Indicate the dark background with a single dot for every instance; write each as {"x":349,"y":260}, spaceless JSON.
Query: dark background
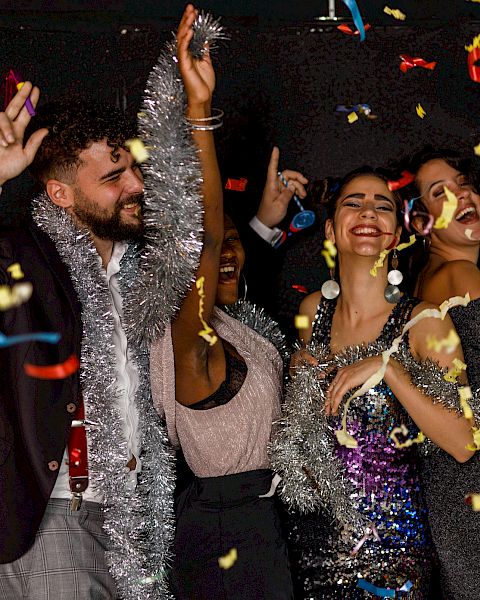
{"x":280,"y":76}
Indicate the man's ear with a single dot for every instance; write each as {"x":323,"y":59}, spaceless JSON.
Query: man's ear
{"x":60,"y":193}
{"x":329,"y":232}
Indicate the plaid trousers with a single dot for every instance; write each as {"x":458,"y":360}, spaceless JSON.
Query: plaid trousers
{"x":66,"y":561}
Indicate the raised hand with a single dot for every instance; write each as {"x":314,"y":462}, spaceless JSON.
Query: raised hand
{"x":14,"y":157}
{"x":276,"y":196}
{"x":197,"y":74}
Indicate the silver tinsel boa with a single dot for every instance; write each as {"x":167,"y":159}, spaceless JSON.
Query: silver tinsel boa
{"x":172,"y":201}
{"x":303,"y":450}
{"x":257,"y":319}
{"x":153,"y":280}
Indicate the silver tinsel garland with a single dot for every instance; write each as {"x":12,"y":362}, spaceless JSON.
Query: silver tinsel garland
{"x":153,"y":281}
{"x":257,"y":319}
{"x":172,"y":201}
{"x":303,"y":449}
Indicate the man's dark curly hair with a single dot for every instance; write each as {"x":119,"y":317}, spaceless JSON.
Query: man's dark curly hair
{"x":74,"y":123}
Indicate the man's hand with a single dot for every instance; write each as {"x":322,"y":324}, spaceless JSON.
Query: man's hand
{"x":14,"y":158}
{"x":276,"y":196}
{"x":198,"y":75}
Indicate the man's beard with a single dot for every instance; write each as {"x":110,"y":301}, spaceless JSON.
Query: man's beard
{"x":105,"y":225}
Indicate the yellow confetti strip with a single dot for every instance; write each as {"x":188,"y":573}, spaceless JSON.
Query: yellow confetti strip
{"x":465,"y":394}
{"x":395,"y":13}
{"x":420,"y":111}
{"x":20,"y":84}
{"x":455,"y":371}
{"x":475,"y":498}
{"x":207,"y":330}
{"x":227,"y":561}
{"x":329,"y":253}
{"x":448,"y":210}
{"x":404,"y":431}
{"x":352,"y":117}
{"x":384,"y":253}
{"x":475,"y":44}
{"x":302,"y":322}
{"x":448,"y":344}
{"x":15,"y":271}
{"x":440,"y":313}
{"x":137,"y":149}
{"x":10,"y":297}
{"x":476,"y":149}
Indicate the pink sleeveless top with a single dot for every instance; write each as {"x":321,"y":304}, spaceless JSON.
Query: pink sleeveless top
{"x":231,"y":438}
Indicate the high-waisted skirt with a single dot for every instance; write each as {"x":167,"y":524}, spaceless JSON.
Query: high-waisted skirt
{"x":218,"y":516}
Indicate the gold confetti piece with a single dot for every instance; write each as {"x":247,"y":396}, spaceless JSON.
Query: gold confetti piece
{"x":404,"y":431}
{"x":137,"y":149}
{"x":20,"y":84}
{"x":227,"y":561}
{"x":475,"y":500}
{"x":420,"y":111}
{"x":302,"y":322}
{"x":455,"y":371}
{"x":207,"y":330}
{"x":352,"y":117}
{"x":475,"y":44}
{"x":465,"y":394}
{"x":449,"y":343}
{"x":377,"y":377}
{"x":384,"y":253}
{"x":329,"y":253}
{"x":15,"y":271}
{"x":10,"y":297}
{"x":476,"y":440}
{"x":476,"y":149}
{"x":448,"y":210}
{"x":395,"y":13}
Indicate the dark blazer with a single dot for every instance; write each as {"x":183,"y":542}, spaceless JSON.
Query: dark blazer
{"x":35,"y":414}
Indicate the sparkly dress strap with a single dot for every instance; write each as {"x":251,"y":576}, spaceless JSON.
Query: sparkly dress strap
{"x":322,"y":323}
{"x":398,"y":318}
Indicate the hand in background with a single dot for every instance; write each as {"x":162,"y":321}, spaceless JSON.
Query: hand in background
{"x":14,"y":157}
{"x":276,"y":196}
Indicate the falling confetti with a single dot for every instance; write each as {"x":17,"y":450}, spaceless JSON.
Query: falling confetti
{"x":448,"y":210}
{"x":455,"y":371}
{"x":227,"y":561}
{"x":49,"y":338}
{"x":302,"y":322}
{"x":15,"y":271}
{"x":474,"y":500}
{"x":329,"y":252}
{"x":207,"y":330}
{"x":138,"y":150}
{"x":449,"y":344}
{"x":357,"y":19}
{"x":395,"y":13}
{"x":11,"y":297}
{"x":410,"y":63}
{"x":420,"y":111}
{"x":352,"y":117}
{"x":476,"y":148}
{"x":60,"y":371}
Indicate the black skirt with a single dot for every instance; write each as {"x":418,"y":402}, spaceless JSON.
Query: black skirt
{"x":216,"y":515}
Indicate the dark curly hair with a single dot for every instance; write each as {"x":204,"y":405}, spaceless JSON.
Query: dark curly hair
{"x":74,"y":123}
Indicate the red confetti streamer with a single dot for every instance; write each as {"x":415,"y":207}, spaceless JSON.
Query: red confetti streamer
{"x":473,"y":68}
{"x":300,"y":288}
{"x":344,"y":28}
{"x":404,"y":180}
{"x":237,"y":185}
{"x":409,"y":63}
{"x":60,"y":371}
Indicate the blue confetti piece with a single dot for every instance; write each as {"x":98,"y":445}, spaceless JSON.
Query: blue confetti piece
{"x":373,"y":589}
{"x":49,"y":338}
{"x":357,"y":19}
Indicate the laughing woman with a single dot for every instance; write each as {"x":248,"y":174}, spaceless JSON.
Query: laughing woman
{"x":446,"y":267}
{"x":365,"y":533}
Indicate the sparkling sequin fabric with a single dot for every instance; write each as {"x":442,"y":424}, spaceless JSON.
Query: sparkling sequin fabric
{"x":377,"y":483}
{"x":455,"y":527}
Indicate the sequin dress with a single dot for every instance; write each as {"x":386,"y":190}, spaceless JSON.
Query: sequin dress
{"x":455,"y":527}
{"x":375,"y":485}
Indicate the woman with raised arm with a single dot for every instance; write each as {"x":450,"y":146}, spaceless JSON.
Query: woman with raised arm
{"x":445,"y":265}
{"x":218,"y":383}
{"x":365,"y":533}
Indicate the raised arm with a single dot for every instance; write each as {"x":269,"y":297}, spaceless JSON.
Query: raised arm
{"x":14,"y":156}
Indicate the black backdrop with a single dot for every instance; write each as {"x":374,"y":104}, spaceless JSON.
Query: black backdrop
{"x":280,"y":76}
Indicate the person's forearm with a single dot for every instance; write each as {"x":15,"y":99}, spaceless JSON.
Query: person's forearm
{"x":444,"y":427}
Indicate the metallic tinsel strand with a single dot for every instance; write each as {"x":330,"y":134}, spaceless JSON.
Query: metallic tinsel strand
{"x":303,"y":449}
{"x":139,"y":522}
{"x":172,"y":201}
{"x":257,"y":319}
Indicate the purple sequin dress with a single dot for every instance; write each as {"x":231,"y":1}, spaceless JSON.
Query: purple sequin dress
{"x":383,"y":489}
